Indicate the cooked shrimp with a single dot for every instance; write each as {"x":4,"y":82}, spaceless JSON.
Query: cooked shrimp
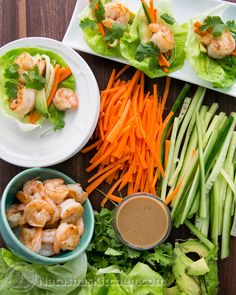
{"x":24,"y":102}
{"x":27,"y":62}
{"x":56,"y":190}
{"x":65,"y":99}
{"x":222,"y":46}
{"x":76,"y":192}
{"x":31,"y":238}
{"x":66,"y":238}
{"x":47,"y":250}
{"x":116,"y":13}
{"x":32,"y":189}
{"x":55,"y":215}
{"x":71,"y":211}
{"x":48,"y":236}
{"x":163,"y":37}
{"x":80,"y":226}
{"x":15,"y":215}
{"x":38,"y":212}
{"x":206,"y":39}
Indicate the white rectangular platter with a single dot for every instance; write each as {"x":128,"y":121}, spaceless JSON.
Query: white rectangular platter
{"x":183,"y":10}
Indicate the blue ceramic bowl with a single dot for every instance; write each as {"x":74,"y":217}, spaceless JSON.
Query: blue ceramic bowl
{"x":8,"y":198}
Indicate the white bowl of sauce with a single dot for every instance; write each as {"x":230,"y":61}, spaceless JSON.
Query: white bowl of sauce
{"x":142,"y":221}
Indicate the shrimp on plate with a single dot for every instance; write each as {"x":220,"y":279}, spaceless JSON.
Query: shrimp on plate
{"x":162,"y":36}
{"x":66,"y":238}
{"x":15,"y":215}
{"x":116,"y":13}
{"x":70,"y":211}
{"x":80,"y":226}
{"x":24,"y":102}
{"x":56,"y":190}
{"x":31,"y":238}
{"x":76,"y":192}
{"x":222,"y":46}
{"x":27,"y":62}
{"x":65,"y":99}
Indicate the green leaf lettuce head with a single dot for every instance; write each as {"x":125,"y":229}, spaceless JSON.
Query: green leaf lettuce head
{"x":102,"y":45}
{"x":136,"y":46}
{"x":141,"y":280}
{"x":19,"y":277}
{"x":220,"y":72}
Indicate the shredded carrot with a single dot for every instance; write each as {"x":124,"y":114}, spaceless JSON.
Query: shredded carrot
{"x":55,"y":84}
{"x":173,"y":193}
{"x":91,"y":146}
{"x":128,"y":136}
{"x":101,"y":29}
{"x":64,"y":74}
{"x":167,"y":148}
{"x":163,"y":62}
{"x":34,"y":117}
{"x":234,"y":52}
{"x":122,"y":71}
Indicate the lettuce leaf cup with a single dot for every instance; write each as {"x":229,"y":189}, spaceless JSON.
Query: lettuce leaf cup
{"x":36,"y":85}
{"x":104,"y":23}
{"x":155,"y":42}
{"x":210,"y":47}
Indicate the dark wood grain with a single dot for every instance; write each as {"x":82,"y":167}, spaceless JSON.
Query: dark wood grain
{"x":50,"y":18}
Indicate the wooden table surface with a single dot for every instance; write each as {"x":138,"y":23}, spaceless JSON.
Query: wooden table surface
{"x":50,"y":18}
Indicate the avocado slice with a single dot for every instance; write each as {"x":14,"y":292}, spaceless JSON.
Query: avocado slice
{"x":203,"y":48}
{"x":188,"y":284}
{"x":195,"y":247}
{"x":41,"y":103}
{"x":198,"y":268}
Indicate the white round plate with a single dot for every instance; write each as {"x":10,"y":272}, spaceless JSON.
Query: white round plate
{"x":34,"y":148}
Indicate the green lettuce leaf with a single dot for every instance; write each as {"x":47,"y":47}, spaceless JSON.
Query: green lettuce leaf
{"x":19,"y":277}
{"x":95,"y":40}
{"x":138,"y":39}
{"x":221,"y":73}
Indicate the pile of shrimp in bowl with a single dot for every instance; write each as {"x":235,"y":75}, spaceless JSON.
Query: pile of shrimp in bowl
{"x":49,"y":217}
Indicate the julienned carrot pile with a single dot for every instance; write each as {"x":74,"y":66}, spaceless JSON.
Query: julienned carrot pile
{"x":129,"y":136}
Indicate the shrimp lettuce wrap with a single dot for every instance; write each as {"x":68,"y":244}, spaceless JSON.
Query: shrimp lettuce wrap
{"x":211,"y":47}
{"x":155,"y":42}
{"x":36,"y":85}
{"x":104,"y":23}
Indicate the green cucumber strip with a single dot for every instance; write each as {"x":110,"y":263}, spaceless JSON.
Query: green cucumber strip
{"x":194,"y":208}
{"x":194,"y":107}
{"x":228,"y":180}
{"x":210,"y":114}
{"x":184,"y":109}
{"x":224,"y":142}
{"x":149,"y":19}
{"x":215,"y":211}
{"x":174,"y":109}
{"x":189,"y":132}
{"x":206,"y":221}
{"x":221,"y":138}
{"x":227,"y":221}
{"x":170,"y":156}
{"x":199,"y":235}
{"x":195,"y":183}
{"x":203,"y":209}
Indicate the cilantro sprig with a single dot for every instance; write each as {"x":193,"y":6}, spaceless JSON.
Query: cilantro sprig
{"x":98,"y":10}
{"x":115,"y":33}
{"x":148,"y":50}
{"x":168,"y":18}
{"x":12,"y":72}
{"x":11,"y":89}
{"x":216,"y":25}
{"x":34,"y":80}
